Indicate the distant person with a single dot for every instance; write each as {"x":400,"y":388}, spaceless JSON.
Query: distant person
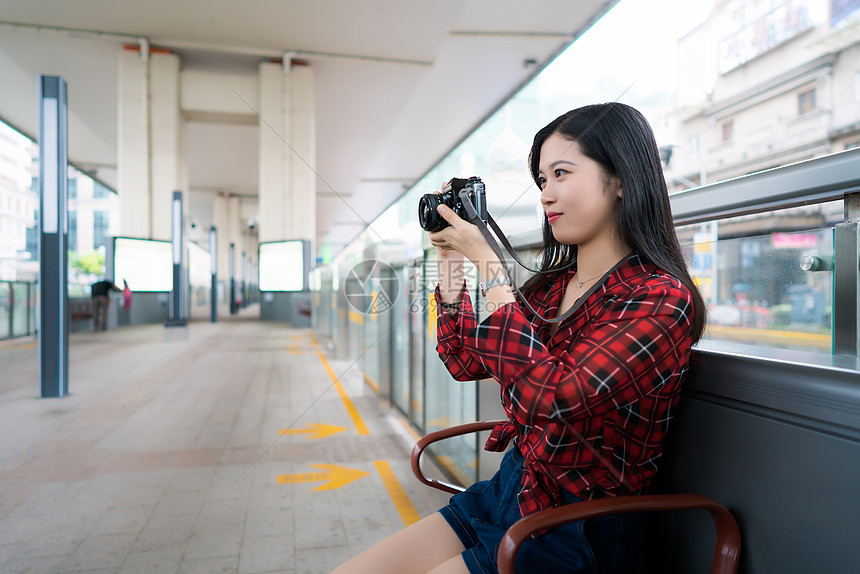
{"x":101,"y":302}
{"x":126,"y":296}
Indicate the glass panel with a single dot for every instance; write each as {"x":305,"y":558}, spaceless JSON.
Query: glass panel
{"x":20,"y":310}
{"x":417,"y":314}
{"x":448,"y":402}
{"x":773,"y":290}
{"x":371,"y":358}
{"x":400,"y":344}
{"x":4,"y":309}
{"x":749,"y":270}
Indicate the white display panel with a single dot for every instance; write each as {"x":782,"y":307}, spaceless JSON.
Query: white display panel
{"x":147,"y":265}
{"x":282,"y":266}
{"x":199,"y":266}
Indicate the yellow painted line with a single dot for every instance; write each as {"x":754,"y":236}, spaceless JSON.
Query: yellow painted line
{"x":772,"y":334}
{"x":398,"y":495}
{"x":432,"y":317}
{"x":333,"y":477}
{"x":371,"y":383}
{"x":350,"y":408}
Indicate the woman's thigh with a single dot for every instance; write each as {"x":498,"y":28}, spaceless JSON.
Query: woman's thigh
{"x":417,"y":549}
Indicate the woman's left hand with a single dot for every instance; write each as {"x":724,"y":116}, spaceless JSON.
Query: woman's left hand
{"x":461,"y":236}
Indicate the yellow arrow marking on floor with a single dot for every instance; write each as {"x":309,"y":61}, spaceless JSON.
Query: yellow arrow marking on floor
{"x":315,"y":430}
{"x":291,"y":350}
{"x":334,"y":476}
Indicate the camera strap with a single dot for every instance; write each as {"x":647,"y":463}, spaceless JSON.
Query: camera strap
{"x":476,"y":220}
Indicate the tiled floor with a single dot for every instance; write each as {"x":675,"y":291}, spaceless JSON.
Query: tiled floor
{"x":166,"y":456}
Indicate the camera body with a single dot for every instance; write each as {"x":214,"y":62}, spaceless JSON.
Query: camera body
{"x":429,"y":218}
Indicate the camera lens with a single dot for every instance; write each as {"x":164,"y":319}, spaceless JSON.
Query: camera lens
{"x":428,"y":217}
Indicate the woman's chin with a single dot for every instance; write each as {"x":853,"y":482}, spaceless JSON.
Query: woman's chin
{"x":563,"y":238}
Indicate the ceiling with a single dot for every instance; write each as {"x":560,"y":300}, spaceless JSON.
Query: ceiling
{"x":398,"y":84}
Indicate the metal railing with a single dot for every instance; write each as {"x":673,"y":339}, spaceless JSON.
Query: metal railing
{"x":17,"y":309}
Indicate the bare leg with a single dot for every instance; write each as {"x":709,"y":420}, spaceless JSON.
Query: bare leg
{"x":417,"y":549}
{"x":453,"y":565}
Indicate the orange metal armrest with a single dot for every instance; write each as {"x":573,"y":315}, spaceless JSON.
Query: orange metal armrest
{"x":726,"y":548}
{"x":440,"y":435}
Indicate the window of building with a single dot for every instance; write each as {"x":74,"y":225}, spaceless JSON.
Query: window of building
{"x":728,"y":130}
{"x":73,"y":231}
{"x":32,"y":242}
{"x":694,"y":145}
{"x":100,"y":228}
{"x":73,"y":188}
{"x":806,"y":102}
{"x":100,"y":191}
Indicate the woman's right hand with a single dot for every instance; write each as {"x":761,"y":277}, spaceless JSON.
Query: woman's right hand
{"x":446,"y":253}
{"x":449,"y":264}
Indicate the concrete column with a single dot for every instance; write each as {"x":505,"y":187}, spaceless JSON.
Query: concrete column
{"x":287,"y":178}
{"x":234,"y":236}
{"x":133,"y":159}
{"x":151,"y":165}
{"x":303,"y":179}
{"x":222,"y":223}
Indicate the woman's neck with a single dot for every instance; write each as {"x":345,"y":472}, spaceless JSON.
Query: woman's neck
{"x":596,"y":258}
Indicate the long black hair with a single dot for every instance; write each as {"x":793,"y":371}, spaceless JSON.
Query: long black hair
{"x":619,"y":138}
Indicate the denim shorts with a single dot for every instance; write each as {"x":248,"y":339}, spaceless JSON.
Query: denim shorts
{"x":481,"y":515}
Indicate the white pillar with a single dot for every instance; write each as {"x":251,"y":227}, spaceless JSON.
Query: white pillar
{"x":150,"y":162}
{"x":164,"y":133}
{"x":133,"y":144}
{"x":303,"y":179}
{"x":234,"y":229}
{"x":287,"y":176}
{"x":221,"y":216}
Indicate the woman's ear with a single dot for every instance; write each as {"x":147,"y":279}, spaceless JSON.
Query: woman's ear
{"x":616,"y":184}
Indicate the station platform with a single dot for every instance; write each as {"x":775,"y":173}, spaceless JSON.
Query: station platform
{"x":238,"y":446}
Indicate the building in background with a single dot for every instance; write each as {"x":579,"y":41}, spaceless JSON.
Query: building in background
{"x":764,"y":84}
{"x":93,"y":216}
{"x":19,"y":205}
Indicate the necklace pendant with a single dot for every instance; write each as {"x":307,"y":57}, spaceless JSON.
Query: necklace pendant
{"x":579,"y":284}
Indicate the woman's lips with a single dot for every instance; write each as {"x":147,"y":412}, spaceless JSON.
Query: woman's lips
{"x":552,"y":216}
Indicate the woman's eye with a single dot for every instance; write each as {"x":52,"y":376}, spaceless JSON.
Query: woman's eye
{"x":559,"y":172}
{"x":542,"y":182}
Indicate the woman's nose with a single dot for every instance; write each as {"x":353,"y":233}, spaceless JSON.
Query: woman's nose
{"x":546,"y":196}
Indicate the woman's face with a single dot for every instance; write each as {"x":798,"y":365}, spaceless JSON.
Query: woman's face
{"x":580,"y":201}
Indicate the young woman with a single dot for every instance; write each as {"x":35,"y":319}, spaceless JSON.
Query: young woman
{"x":588,"y":399}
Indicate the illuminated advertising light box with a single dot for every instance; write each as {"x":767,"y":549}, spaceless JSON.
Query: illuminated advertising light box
{"x":146,"y":264}
{"x":284,"y":265}
{"x":199,"y":266}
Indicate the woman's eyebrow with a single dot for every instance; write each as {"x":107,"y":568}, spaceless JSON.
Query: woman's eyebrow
{"x":556,"y":163}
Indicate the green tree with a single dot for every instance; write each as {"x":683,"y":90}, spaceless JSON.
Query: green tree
{"x":92,"y":263}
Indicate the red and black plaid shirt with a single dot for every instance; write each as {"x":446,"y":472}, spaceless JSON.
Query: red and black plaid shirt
{"x":591,"y":404}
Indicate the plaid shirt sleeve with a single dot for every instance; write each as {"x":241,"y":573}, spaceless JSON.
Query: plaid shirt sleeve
{"x":451,"y":332}
{"x":627,"y":352}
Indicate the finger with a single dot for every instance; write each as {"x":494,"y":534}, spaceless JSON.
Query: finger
{"x":449,"y":215}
